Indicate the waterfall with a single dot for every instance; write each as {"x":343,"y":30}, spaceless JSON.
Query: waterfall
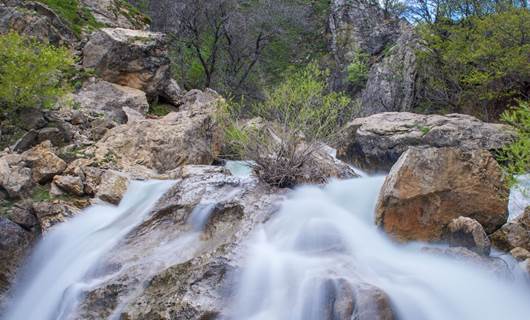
{"x":320,"y":257}
{"x":324,"y":239}
{"x":52,"y":281}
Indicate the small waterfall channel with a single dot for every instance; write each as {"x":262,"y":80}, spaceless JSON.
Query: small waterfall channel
{"x":298,"y":265}
{"x":51,"y":280}
{"x":323,"y":247}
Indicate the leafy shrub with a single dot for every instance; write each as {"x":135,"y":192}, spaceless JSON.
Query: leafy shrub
{"x":358,"y":70}
{"x":287,"y":127}
{"x":32,"y":74}
{"x":516,"y":156}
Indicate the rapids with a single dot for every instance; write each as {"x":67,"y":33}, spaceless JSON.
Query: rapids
{"x":52,"y":279}
{"x":321,"y":239}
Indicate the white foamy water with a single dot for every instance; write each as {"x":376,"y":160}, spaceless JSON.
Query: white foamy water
{"x":323,"y":238}
{"x":519,"y":196}
{"x":53,"y":277}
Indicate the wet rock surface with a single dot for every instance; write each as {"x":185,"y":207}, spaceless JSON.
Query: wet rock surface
{"x":468,"y":233}
{"x":14,"y":243}
{"x":192,"y":243}
{"x":429,"y":187}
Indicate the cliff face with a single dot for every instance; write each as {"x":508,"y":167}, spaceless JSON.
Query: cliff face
{"x":358,"y":26}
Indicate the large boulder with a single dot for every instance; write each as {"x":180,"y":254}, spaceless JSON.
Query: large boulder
{"x":131,"y":58}
{"x":100,"y":96}
{"x":514,"y":234}
{"x":14,"y":242}
{"x":189,"y":136}
{"x":376,"y":142}
{"x":429,"y":187}
{"x":36,"y":20}
{"x":189,"y":246}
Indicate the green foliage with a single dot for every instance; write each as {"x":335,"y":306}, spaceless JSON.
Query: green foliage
{"x":516,"y":156}
{"x":358,"y":69}
{"x":32,"y":74}
{"x":241,"y":47}
{"x":76,"y":15}
{"x":287,"y":127}
{"x":160,"y":109}
{"x":478,"y":65}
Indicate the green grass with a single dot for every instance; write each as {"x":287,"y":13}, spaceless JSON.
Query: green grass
{"x":160,"y":109}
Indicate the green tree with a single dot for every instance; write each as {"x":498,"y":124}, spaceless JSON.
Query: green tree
{"x":32,"y":74}
{"x":478,"y":65}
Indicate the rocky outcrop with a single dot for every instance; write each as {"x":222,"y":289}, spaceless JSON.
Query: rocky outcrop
{"x":362,"y":27}
{"x":204,"y":217}
{"x":514,"y":234}
{"x":468,"y":233}
{"x":36,"y":20}
{"x":109,"y":99}
{"x":132,"y":58}
{"x":429,"y":187}
{"x":375,"y":143}
{"x":391,"y":84}
{"x":358,"y":25}
{"x":117,"y":14}
{"x":14,"y":242}
{"x":189,"y":136}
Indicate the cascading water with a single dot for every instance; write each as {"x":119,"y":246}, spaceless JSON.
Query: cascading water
{"x":300,"y":263}
{"x":53,"y":277}
{"x":324,"y":238}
